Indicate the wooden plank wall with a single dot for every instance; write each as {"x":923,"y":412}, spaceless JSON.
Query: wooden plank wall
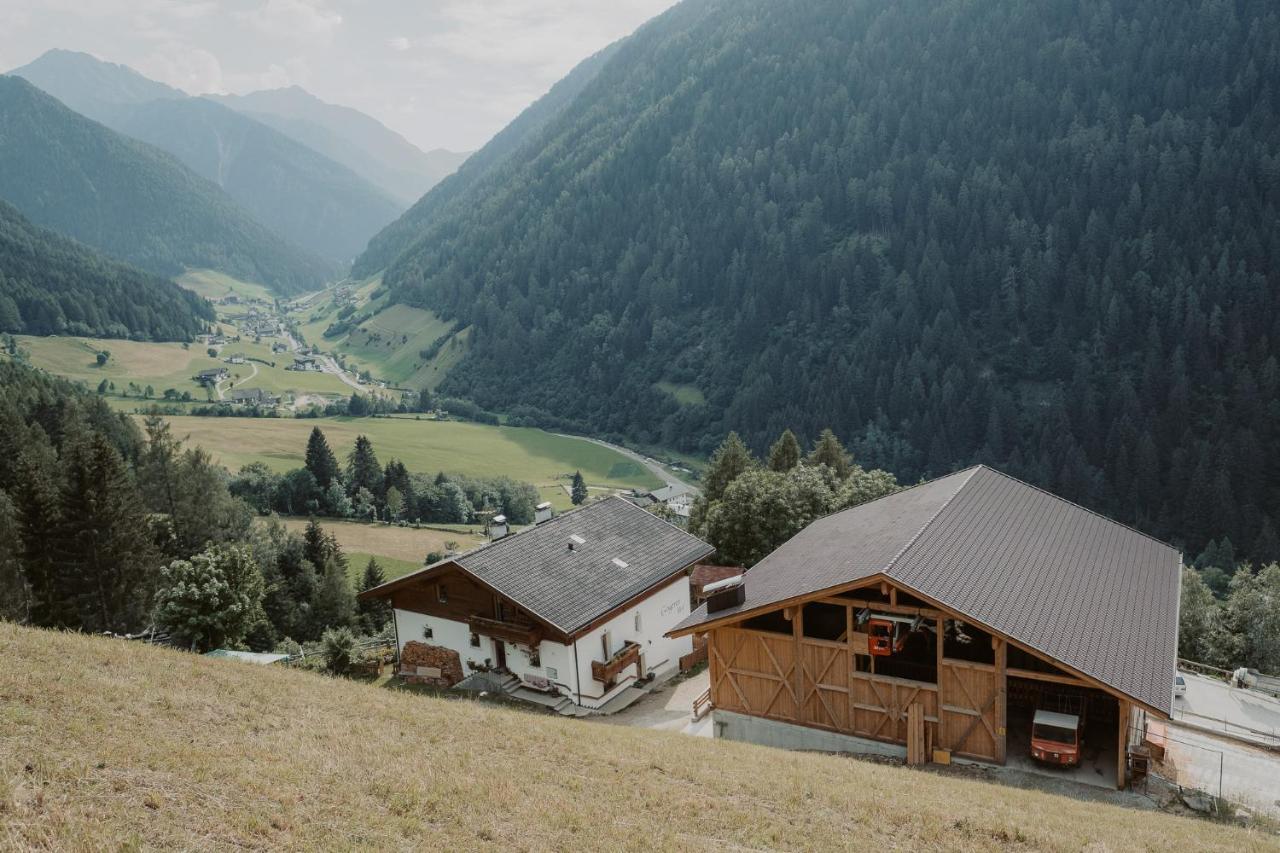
{"x":796,"y":679}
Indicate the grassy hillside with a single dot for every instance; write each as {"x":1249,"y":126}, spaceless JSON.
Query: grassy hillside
{"x":475,"y":449}
{"x":212,"y":284}
{"x":111,"y":745}
{"x":165,"y":365}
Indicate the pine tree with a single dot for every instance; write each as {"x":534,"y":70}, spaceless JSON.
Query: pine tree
{"x":374,"y":613}
{"x":320,"y":460}
{"x":578,"y":493}
{"x":335,"y":603}
{"x":830,"y":452}
{"x":731,"y":459}
{"x":103,"y":542}
{"x":37,"y":515}
{"x":363,"y":470}
{"x":785,"y":453}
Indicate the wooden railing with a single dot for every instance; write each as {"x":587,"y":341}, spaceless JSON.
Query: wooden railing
{"x":606,"y":671}
{"x":525,"y":635}
{"x":702,"y":705}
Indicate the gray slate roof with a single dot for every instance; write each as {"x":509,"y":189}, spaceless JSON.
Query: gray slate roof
{"x":1069,"y":583}
{"x":570,"y":589}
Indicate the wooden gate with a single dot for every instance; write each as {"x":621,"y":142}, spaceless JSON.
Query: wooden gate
{"x":971,"y":710}
{"x":753,"y":672}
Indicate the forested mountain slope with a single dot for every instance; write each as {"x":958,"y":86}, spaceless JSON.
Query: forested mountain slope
{"x":1039,"y":235}
{"x":130,"y":200}
{"x":299,"y":193}
{"x":400,"y":235}
{"x":52,"y":285}
{"x":356,"y":140}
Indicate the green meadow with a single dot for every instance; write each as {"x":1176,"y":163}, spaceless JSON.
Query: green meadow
{"x":426,"y":446}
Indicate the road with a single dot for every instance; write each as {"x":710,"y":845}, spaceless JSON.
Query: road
{"x":652,"y":465}
{"x":222,"y":392}
{"x":1213,"y":704}
{"x":327,"y":364}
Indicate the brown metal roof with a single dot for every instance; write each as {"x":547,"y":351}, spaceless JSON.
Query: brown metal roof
{"x":1094,"y":594}
{"x":619,"y":551}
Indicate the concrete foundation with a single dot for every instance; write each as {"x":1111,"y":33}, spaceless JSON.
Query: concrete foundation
{"x":731,"y":726}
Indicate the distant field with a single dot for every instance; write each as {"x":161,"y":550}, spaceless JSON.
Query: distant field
{"x":212,"y":284}
{"x":397,"y":549}
{"x":425,"y":446}
{"x":156,"y":364}
{"x":168,"y":365}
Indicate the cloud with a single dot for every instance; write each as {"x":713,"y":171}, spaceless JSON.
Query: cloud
{"x":193,"y":70}
{"x":302,"y":20}
{"x":399,"y":43}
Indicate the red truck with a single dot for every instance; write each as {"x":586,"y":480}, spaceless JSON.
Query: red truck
{"x":1055,"y":738}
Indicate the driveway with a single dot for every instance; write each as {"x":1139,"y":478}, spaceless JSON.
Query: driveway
{"x":669,"y":709}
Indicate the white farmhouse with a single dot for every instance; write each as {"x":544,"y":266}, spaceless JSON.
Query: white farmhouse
{"x":577,"y":605}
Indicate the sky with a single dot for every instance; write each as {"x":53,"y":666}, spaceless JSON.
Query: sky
{"x":444,"y":73}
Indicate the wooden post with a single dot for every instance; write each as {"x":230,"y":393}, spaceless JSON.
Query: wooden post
{"x":941,"y":741}
{"x":711,"y":665}
{"x":797,"y":633}
{"x":1122,"y":747}
{"x":1001,"y":650}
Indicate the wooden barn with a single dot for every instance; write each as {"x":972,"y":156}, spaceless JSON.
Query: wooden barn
{"x":973,"y":616}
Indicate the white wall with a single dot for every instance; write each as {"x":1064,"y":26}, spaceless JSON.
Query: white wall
{"x":659,"y":613}
{"x":457,"y":636}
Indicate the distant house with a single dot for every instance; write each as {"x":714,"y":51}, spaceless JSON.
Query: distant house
{"x":677,"y":498}
{"x":279,"y":346}
{"x":235,"y":358}
{"x":212,"y":376}
{"x":576,"y":605}
{"x":304,"y":362}
{"x":252,"y":397}
{"x":973,"y":615}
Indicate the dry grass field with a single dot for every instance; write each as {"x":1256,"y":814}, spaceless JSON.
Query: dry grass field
{"x":397,"y":549}
{"x":109,"y":745}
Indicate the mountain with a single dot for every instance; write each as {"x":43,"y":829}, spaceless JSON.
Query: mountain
{"x":405,"y":231}
{"x":52,"y":285}
{"x":299,"y":193}
{"x":356,"y":140}
{"x":1041,"y":236}
{"x":130,"y":200}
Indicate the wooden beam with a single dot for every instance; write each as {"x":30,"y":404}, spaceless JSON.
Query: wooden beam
{"x":1045,"y":676}
{"x":898,"y":609}
{"x":1002,"y":699}
{"x":942,"y":742}
{"x":1122,"y":750}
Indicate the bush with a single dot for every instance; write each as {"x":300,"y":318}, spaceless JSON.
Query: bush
{"x":339,"y":648}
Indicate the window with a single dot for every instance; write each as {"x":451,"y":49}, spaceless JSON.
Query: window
{"x":606,"y":641}
{"x":475,"y":640}
{"x":442,"y":595}
{"x":552,"y":673}
{"x":535,"y":657}
{"x":427,"y":633}
{"x":637,"y":621}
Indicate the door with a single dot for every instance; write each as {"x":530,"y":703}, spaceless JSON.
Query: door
{"x":500,"y":653}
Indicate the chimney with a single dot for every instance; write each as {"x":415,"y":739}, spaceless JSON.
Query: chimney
{"x":724,"y":594}
{"x":497,"y":528}
{"x":574,"y":541}
{"x":542,"y":512}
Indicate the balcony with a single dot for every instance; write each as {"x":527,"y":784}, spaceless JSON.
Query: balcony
{"x":606,"y":671}
{"x":510,"y":632}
